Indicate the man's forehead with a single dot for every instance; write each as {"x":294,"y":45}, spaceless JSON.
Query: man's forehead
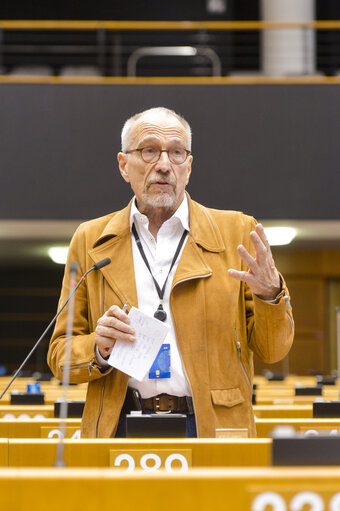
{"x":162,"y":127}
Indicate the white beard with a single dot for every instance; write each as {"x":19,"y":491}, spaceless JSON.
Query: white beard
{"x":159,"y":200}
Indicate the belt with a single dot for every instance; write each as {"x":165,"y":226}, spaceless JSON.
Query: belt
{"x":163,"y":403}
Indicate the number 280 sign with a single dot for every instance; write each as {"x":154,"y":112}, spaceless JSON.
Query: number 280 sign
{"x":151,"y":461}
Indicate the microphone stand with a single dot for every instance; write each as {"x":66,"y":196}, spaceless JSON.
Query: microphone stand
{"x":96,"y":266}
{"x":338,"y":346}
{"x":60,"y":462}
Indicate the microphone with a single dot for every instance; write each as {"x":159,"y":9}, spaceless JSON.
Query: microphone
{"x":96,"y":266}
{"x":101,"y":263}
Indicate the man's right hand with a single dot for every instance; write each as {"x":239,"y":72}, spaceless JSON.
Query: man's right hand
{"x":113,"y":325}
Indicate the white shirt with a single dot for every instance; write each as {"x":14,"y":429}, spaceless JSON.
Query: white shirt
{"x":159,"y":254}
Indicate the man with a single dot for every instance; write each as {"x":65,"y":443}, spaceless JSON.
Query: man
{"x":208,"y":274}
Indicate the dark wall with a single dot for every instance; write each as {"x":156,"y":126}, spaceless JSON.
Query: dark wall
{"x":270,"y":150}
{"x":123,"y":10}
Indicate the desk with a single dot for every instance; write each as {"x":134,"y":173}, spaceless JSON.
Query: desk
{"x":264,"y":427}
{"x":46,"y":411}
{"x":283,"y":411}
{"x":32,"y":428}
{"x":3,"y":452}
{"x":36,"y":428}
{"x":96,"y":452}
{"x":229,"y":489}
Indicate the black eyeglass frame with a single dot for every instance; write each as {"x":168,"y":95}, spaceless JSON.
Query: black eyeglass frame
{"x":140,"y":149}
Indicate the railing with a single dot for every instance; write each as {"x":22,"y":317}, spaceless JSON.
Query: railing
{"x":221,"y":47}
{"x":163,"y":25}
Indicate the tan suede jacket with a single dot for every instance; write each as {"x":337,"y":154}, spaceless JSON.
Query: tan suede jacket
{"x":218,"y":322}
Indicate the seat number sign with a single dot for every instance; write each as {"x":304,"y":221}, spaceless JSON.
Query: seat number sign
{"x":151,"y":460}
{"x":320,"y":499}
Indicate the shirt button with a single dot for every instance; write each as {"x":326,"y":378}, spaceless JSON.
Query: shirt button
{"x":161,"y":271}
{"x":141,"y":219}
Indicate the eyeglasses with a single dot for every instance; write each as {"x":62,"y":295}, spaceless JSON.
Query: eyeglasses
{"x":151,"y":154}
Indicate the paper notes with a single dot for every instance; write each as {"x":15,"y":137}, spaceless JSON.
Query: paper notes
{"x":135,"y":359}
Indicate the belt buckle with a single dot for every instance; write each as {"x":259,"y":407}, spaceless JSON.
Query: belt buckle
{"x":156,"y":409}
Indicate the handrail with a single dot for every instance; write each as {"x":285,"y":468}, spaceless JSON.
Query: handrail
{"x":163,"y":25}
{"x":173,"y":80}
{"x":173,"y":51}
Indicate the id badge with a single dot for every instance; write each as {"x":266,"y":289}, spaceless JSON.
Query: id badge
{"x":161,"y":366}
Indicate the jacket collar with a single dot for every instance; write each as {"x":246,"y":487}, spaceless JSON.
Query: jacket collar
{"x":203,"y":228}
{"x":115,"y":242}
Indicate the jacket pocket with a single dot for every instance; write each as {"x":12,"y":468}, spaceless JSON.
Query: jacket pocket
{"x":227,"y":397}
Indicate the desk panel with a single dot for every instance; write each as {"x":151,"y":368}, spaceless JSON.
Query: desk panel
{"x":283,"y":411}
{"x":96,"y":453}
{"x":31,"y":410}
{"x":3,"y":452}
{"x":228,"y":489}
{"x":31,"y":428}
{"x":34,"y":428}
{"x":265,"y":427}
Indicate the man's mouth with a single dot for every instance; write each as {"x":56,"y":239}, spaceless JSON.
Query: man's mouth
{"x":160,"y":183}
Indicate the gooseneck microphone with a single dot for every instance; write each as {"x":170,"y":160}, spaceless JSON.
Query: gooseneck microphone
{"x":96,"y":266}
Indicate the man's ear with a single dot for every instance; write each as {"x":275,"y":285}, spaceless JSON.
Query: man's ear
{"x":122,"y":162}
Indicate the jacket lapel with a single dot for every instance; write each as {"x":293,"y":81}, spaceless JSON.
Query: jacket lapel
{"x":115,"y":243}
{"x":204,"y":234}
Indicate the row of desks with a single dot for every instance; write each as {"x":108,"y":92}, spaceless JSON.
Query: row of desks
{"x":236,"y":489}
{"x":266,"y":396}
{"x":107,"y":452}
{"x":48,"y":428}
{"x":261,"y":411}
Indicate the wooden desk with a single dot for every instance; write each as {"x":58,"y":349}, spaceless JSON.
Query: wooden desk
{"x":283,"y":411}
{"x":32,"y":428}
{"x":265,"y":427}
{"x":3,"y":452}
{"x":36,"y":428}
{"x":46,"y":411}
{"x":229,"y":489}
{"x":96,"y":453}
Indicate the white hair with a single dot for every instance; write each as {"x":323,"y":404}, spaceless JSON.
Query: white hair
{"x":132,"y":121}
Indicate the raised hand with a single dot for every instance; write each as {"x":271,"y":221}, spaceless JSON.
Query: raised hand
{"x":262,"y":276}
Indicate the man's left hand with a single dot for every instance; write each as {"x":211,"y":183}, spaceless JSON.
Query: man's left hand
{"x":262,"y":276}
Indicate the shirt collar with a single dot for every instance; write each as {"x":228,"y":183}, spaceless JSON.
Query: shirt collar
{"x":181,"y":214}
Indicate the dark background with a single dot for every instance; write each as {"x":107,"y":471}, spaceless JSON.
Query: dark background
{"x":143,"y":10}
{"x":270,"y":150}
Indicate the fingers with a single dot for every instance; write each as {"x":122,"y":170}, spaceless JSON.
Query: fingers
{"x":260,"y":241}
{"x":262,"y":276}
{"x":247,"y":258}
{"x":113,"y":325}
{"x":262,"y":234}
{"x":238,"y":275}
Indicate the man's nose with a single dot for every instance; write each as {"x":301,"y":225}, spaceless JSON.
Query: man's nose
{"x":163,"y":163}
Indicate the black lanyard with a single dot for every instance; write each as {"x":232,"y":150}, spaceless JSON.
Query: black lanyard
{"x":160,"y":312}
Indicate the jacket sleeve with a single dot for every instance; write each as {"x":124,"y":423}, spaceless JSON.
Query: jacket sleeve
{"x":84,"y":366}
{"x":270,"y":326}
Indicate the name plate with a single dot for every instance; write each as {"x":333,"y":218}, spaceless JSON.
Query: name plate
{"x":311,"y":496}
{"x":151,"y":460}
{"x":319,"y":430}
{"x":53,"y":432}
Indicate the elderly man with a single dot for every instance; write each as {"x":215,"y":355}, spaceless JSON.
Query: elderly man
{"x":208,"y":274}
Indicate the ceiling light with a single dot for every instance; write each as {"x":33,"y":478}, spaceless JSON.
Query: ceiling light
{"x":280,"y":235}
{"x":58,"y":254}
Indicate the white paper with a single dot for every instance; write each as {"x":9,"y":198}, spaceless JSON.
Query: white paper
{"x":136,"y":358}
